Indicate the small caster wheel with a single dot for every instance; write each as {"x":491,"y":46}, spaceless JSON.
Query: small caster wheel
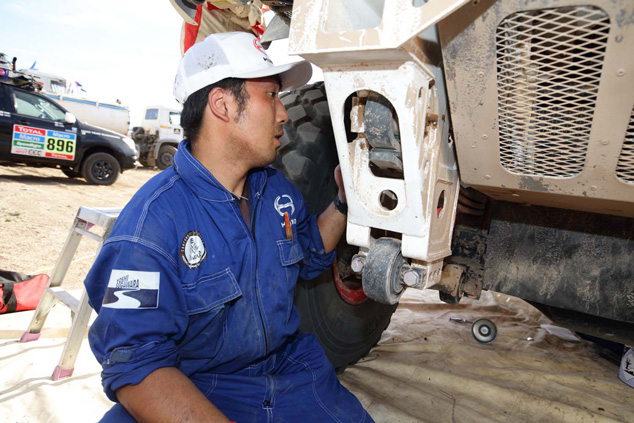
{"x":484,"y":331}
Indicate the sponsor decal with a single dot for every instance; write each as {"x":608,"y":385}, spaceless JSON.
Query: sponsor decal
{"x":258,"y":46}
{"x":193,"y":251}
{"x":132,"y":289}
{"x":39,"y":142}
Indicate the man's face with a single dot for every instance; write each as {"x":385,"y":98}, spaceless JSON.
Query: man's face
{"x":255,"y":136}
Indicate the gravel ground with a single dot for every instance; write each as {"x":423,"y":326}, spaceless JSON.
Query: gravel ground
{"x":37,"y":210}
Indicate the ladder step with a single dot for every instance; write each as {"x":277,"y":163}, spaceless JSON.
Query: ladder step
{"x":84,"y":232}
{"x":64,"y":297}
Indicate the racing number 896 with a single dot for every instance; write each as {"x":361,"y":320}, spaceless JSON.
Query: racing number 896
{"x":60,"y":145}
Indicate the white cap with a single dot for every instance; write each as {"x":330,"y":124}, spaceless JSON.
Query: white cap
{"x":232,"y":55}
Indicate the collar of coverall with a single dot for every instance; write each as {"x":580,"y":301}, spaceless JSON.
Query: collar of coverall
{"x":203,"y":183}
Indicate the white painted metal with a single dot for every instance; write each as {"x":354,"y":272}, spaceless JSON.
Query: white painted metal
{"x":312,"y":37}
{"x":361,"y":54}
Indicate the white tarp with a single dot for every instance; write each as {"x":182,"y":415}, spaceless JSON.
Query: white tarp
{"x":426,"y":369}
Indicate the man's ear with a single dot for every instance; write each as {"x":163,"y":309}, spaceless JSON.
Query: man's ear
{"x":217,"y":103}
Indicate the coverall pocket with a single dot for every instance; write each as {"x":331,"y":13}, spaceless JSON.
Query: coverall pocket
{"x":206,"y":301}
{"x":290,"y":255}
{"x":211,"y":292}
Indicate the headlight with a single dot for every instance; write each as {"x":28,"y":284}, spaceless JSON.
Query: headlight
{"x":129,"y":142}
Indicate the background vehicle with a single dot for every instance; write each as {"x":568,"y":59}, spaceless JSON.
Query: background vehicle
{"x":70,"y":94}
{"x":36,"y":131}
{"x":483,"y":144}
{"x":158,"y":136}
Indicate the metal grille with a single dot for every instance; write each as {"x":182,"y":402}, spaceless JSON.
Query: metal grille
{"x":549,"y":65}
{"x":625,"y":167}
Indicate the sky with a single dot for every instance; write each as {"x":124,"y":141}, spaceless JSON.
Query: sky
{"x":117,"y":49}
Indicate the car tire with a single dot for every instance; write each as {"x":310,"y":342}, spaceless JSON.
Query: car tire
{"x":308,"y":157}
{"x":165,"y":156}
{"x":101,"y":169}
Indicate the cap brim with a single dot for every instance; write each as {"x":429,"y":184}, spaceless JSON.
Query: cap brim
{"x":293,"y":75}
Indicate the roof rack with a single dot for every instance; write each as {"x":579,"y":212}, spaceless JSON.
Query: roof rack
{"x":18,"y":79}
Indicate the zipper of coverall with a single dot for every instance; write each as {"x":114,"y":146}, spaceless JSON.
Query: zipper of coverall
{"x":257,"y":295}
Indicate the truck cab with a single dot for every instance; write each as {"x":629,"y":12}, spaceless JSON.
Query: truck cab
{"x":158,"y":136}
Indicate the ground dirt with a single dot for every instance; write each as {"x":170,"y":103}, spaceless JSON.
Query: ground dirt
{"x":38,"y":208}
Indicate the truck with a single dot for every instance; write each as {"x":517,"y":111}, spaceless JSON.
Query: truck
{"x":67,"y":92}
{"x":158,"y":136}
{"x":484,"y":144}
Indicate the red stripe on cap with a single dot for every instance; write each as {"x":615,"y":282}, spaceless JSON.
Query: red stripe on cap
{"x":191,"y":31}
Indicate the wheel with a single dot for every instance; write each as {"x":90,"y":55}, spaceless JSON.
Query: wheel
{"x":101,"y":169}
{"x":70,"y":172}
{"x":165,"y":156}
{"x":333,"y":306}
{"x":484,"y":331}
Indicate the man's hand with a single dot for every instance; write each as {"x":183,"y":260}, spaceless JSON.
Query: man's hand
{"x":331,"y":222}
{"x":167,"y":395}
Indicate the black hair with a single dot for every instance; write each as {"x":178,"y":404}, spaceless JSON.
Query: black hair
{"x":194,"y":107}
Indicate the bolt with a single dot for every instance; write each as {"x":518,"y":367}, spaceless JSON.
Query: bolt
{"x":605,"y":142}
{"x":620,"y":72}
{"x":487,"y":176}
{"x":593,"y":188}
{"x":358,"y":261}
{"x":413,"y":277}
{"x":485,"y":136}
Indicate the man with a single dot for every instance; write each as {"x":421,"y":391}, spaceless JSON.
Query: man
{"x":194,"y":286}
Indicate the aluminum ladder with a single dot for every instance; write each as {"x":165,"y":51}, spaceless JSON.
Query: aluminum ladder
{"x":85,"y":219}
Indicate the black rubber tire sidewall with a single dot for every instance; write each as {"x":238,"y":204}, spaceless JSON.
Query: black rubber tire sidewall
{"x":166,"y":149}
{"x":308,"y":157}
{"x":99,"y":159}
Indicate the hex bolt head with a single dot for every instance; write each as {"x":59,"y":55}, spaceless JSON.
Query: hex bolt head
{"x":412,"y":277}
{"x":358,"y":261}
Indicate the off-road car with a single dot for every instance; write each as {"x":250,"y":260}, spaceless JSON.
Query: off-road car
{"x":36,"y":131}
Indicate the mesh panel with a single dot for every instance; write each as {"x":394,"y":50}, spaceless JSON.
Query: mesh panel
{"x":549,"y":67}
{"x":625,"y":168}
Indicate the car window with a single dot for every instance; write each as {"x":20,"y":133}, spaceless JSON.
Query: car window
{"x":151,"y":114}
{"x":175,"y":118}
{"x":38,"y":107}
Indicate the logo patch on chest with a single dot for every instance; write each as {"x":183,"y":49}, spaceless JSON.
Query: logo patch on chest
{"x":284,"y":203}
{"x":193,"y":251}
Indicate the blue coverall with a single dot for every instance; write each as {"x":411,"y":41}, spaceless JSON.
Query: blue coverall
{"x":183,"y":281}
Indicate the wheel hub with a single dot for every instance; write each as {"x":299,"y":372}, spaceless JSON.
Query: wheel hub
{"x":102,"y":170}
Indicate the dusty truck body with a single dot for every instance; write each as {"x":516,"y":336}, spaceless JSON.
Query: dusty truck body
{"x":483,"y":145}
{"x":158,"y":136}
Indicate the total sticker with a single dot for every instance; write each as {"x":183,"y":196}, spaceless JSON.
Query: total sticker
{"x":30,"y":141}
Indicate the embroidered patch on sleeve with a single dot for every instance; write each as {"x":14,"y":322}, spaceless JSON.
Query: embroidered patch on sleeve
{"x":132,"y":289}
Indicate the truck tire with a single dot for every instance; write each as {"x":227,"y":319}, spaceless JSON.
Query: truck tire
{"x":345,"y":327}
{"x":165,"y":156}
{"x":101,"y":169}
